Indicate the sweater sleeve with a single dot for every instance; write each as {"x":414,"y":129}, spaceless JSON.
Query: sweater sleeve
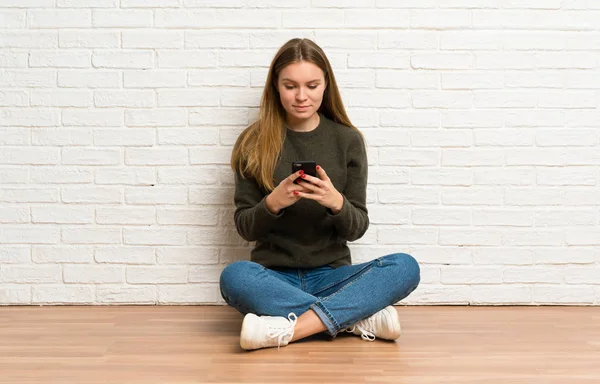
{"x":352,"y":221}
{"x":252,"y":218}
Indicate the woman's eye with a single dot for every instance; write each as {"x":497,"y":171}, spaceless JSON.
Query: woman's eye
{"x":289,"y":87}
{"x":312,"y":86}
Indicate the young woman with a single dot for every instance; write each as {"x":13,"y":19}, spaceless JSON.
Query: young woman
{"x":301,"y":280}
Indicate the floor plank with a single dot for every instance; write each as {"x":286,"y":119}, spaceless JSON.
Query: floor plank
{"x":200,"y":344}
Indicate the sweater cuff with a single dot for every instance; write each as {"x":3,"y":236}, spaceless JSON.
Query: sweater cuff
{"x":264,"y":213}
{"x":343,"y":214}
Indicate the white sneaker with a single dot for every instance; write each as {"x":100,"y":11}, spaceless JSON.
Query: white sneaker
{"x":267,"y":331}
{"x":384,"y":324}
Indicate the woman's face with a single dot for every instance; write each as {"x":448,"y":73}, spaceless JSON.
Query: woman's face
{"x":301,"y":87}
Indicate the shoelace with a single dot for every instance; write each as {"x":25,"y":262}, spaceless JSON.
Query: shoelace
{"x":280,"y":333}
{"x":366,"y":334}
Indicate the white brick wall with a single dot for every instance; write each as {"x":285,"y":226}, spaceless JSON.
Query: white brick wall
{"x":117,"y":119}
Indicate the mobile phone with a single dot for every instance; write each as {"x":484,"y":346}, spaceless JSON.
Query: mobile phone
{"x":308,"y":166}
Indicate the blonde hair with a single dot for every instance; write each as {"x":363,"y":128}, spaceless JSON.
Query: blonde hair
{"x":258,"y":147}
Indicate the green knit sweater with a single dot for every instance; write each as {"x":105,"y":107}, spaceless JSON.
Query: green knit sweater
{"x":306,"y":234}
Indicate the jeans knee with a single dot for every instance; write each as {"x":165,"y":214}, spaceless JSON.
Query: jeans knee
{"x":409,"y":267}
{"x":233,"y":277}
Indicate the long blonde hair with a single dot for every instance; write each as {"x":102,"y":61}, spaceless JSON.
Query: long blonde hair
{"x":258,"y":147}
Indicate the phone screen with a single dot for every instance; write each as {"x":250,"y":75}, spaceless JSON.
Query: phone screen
{"x":308,"y":166}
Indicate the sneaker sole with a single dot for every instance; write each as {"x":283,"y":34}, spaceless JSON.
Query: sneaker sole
{"x":396,"y":331}
{"x":247,"y":333}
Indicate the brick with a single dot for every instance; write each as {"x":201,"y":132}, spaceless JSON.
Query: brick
{"x":439,"y":19}
{"x":61,"y":175}
{"x":124,"y":137}
{"x":193,"y":59}
{"x":93,"y":274}
{"x":445,"y":61}
{"x":150,"y":3}
{"x":156,"y":156}
{"x":29,"y":235}
{"x":102,"y":18}
{"x":407,"y":80}
{"x":468,"y":237}
{"x":123,"y":59}
{"x":120,"y":294}
{"x":567,"y":177}
{"x":134,"y":236}
{"x":470,"y":275}
{"x":59,"y":18}
{"x":452,"y":177}
{"x":565,"y":218}
{"x":12,"y":19}
{"x":534,"y":238}
{"x":214,"y":236}
{"x":505,"y":60}
{"x":88,"y":235}
{"x":71,"y":59}
{"x":410,"y":119}
{"x":178,"y":216}
{"x":388,"y":175}
{"x":408,"y":157}
{"x":222,"y":116}
{"x":157,"y":275}
{"x":61,"y":98}
{"x":93,"y":117}
{"x":91,"y":195}
{"x":218,"y":18}
{"x":188,"y":175}
{"x":190,"y":136}
{"x":29,"y":155}
{"x":210,"y":155}
{"x":472,"y":80}
{"x":37,"y":78}
{"x":14,"y":175}
{"x":189,"y":98}
{"x":216,"y":39}
{"x":407,"y":236}
{"x":15,"y":255}
{"x":28,"y":195}
{"x":91,"y":156}
{"x":125,"y":176}
{"x":205,"y":274}
{"x":379,"y":60}
{"x":61,"y":136}
{"x":437,"y":216}
{"x":504,"y":137}
{"x":125,"y":215}
{"x":14,"y":215}
{"x":187,"y":255}
{"x":64,"y":294}
{"x":414,"y":40}
{"x":543,"y":156}
{"x":502,"y":217}
{"x":62,"y":215}
{"x":503,"y":256}
{"x":441,"y":138}
{"x":89,"y":79}
{"x":501,"y":294}
{"x":154,"y":79}
{"x":125,"y":98}
{"x":62,"y":254}
{"x":442,"y":99}
{"x":88,"y":39}
{"x":408,"y":195}
{"x":211,"y":195}
{"x":472,"y":196}
{"x":188,"y":294}
{"x":156,"y":195}
{"x":13,"y":59}
{"x":28,"y":39}
{"x":124,"y":255}
{"x":87,"y":3}
{"x":14,"y":136}
{"x":31,"y":274}
{"x":561,"y":294}
{"x":504,"y":176}
{"x":153,"y":39}
{"x":15,"y":294}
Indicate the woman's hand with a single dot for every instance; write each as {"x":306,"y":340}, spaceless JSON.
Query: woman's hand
{"x":322,"y":191}
{"x":285,"y":194}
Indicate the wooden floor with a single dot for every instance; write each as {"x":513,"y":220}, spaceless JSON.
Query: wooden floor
{"x":172,"y":344}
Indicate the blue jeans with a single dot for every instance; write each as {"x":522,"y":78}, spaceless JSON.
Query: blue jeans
{"x":339,"y":296}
